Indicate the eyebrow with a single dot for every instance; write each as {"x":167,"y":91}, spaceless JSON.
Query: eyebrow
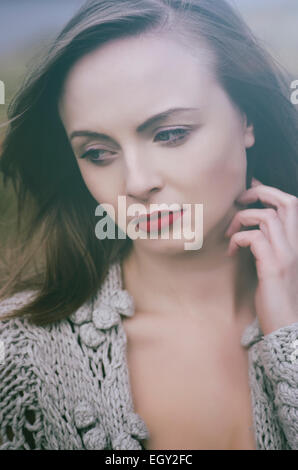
{"x":140,"y":129}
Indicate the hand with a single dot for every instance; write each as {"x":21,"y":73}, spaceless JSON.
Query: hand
{"x":275,"y":248}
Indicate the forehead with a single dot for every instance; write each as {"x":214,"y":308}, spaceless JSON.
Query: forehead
{"x":135,"y":75}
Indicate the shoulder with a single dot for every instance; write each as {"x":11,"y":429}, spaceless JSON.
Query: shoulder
{"x":10,"y":327}
{"x":15,"y":357}
{"x":20,"y":340}
{"x":7,"y":305}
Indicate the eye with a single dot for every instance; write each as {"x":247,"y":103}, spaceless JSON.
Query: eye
{"x":96,"y":160}
{"x":179,"y":133}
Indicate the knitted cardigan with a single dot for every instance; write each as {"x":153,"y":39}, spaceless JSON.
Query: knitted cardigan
{"x":66,"y":385}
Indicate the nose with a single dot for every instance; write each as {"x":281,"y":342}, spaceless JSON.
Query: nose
{"x":142,"y":177}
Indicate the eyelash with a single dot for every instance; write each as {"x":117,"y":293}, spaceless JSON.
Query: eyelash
{"x":102,"y":161}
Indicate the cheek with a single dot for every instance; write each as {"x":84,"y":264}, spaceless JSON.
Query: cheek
{"x":216,"y":171}
{"x":227,"y":170}
{"x":98,"y":184}
{"x":219,"y":158}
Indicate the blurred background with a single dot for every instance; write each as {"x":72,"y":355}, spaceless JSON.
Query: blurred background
{"x":27,"y":25}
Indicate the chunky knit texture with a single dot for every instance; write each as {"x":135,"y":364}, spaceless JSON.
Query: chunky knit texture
{"x":66,"y":385}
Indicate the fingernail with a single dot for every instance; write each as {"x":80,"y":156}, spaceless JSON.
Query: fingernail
{"x":255,"y":182}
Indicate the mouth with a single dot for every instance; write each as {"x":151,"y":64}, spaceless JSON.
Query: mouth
{"x":157,"y":220}
{"x":154,"y":215}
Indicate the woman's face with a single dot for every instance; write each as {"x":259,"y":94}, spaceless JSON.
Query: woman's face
{"x":195,"y":156}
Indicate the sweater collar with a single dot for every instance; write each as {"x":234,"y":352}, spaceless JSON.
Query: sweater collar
{"x":94,"y":319}
{"x":104,"y":310}
{"x":99,"y":323}
{"x":252,"y":334}
{"x":112,"y":301}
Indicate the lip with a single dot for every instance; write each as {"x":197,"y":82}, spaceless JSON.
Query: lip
{"x":146,"y":224}
{"x":153,"y":216}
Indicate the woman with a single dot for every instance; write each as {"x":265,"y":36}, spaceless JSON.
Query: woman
{"x":122,"y":343}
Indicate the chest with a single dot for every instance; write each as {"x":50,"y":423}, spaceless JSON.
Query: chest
{"x":190,"y":385}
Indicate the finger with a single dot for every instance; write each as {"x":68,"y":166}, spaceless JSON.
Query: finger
{"x":261,"y":249}
{"x":255,"y":182}
{"x":285,"y":204}
{"x":269,"y":224}
{"x":291,"y":224}
{"x":267,"y":195}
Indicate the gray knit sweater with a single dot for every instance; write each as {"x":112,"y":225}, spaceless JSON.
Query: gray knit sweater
{"x":66,"y":385}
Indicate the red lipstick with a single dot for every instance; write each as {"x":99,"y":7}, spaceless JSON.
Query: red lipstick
{"x":158,"y":220}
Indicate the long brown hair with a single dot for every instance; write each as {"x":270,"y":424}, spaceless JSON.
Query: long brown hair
{"x":55,"y":211}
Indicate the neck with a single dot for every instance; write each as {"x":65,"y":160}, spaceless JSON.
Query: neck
{"x":191,"y":283}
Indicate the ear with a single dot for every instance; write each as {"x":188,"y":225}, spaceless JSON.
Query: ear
{"x":249,"y":134}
